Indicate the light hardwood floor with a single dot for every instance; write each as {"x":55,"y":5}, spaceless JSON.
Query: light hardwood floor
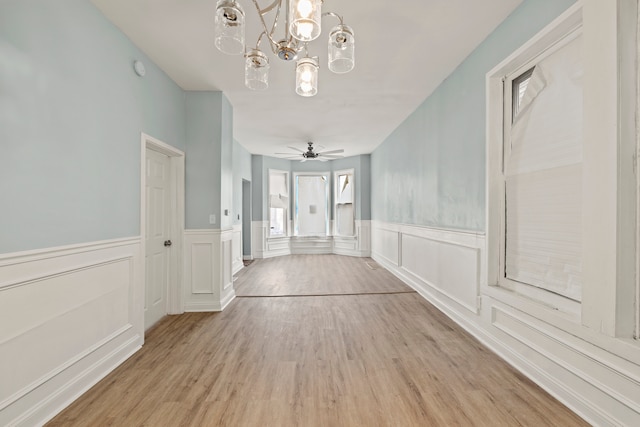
{"x":377,"y":355}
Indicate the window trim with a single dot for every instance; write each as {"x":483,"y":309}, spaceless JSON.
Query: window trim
{"x":499,"y":120}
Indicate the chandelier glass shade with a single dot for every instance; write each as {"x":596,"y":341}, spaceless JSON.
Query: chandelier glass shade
{"x":305,"y":16}
{"x":256,"y":70}
{"x":341,"y":49}
{"x":288,"y":40}
{"x":307,"y":76}
{"x":230,"y":27}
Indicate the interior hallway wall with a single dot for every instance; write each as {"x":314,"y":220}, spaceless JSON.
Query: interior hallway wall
{"x":431,"y":170}
{"x":71,"y":113}
{"x":429,"y":208}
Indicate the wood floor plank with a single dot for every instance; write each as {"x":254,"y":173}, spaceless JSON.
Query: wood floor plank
{"x":366,"y":353}
{"x":307,"y":275}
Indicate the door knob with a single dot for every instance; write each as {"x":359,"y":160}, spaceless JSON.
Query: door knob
{"x":167,"y":242}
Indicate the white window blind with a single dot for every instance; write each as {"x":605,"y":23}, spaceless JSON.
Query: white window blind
{"x":278,"y":190}
{"x":543,"y":177}
{"x":278,"y":202}
{"x":345,"y":211}
{"x":311,"y":205}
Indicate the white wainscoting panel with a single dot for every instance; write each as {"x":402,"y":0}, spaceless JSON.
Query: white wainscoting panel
{"x":385,"y":244}
{"x":259,"y":230}
{"x":358,"y":245}
{"x":263,"y":246}
{"x":68,"y":316}
{"x":208,"y":265}
{"x":437,"y":262}
{"x":363,"y":232}
{"x":311,"y":245}
{"x":593,"y":374}
{"x":227,"y":262}
{"x":450,"y":268}
{"x":201,"y":279}
{"x":277,"y":246}
{"x":236,"y":248}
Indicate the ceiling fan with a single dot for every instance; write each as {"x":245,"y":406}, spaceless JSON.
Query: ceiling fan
{"x":323,"y":156}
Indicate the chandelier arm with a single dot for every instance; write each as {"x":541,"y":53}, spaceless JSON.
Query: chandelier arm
{"x":290,"y":38}
{"x":264,"y":25}
{"x":277,"y":18}
{"x":259,"y":40}
{"x":335,"y":15}
{"x":270,"y":7}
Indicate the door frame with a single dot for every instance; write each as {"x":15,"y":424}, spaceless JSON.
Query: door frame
{"x":175,"y":301}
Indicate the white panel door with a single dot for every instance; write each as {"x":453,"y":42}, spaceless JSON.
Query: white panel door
{"x":157,"y":236}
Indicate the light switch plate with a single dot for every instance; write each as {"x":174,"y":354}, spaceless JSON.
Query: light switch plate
{"x":212,"y":219}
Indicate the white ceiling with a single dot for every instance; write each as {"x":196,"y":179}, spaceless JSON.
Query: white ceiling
{"x":404,"y":50}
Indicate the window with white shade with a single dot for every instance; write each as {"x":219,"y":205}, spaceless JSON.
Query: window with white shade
{"x":278,"y":202}
{"x":311,"y":204}
{"x":344,"y":209}
{"x":542,"y":174}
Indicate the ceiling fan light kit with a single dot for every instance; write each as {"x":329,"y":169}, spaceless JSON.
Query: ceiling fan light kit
{"x":310,"y":154}
{"x":302,"y":25}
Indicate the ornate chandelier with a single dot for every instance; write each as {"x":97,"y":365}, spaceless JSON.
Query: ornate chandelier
{"x":302,"y":25}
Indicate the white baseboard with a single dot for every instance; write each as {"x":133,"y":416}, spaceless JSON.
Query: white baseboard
{"x":90,"y":293}
{"x":597,"y":382}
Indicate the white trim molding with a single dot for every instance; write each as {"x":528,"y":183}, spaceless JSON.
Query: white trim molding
{"x":93,"y":295}
{"x":208,"y":269}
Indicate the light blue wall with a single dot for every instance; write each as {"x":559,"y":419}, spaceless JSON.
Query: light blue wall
{"x":226,"y":164}
{"x":71,"y":113}
{"x":257,"y":205}
{"x":241,"y":170}
{"x":209,"y":161}
{"x":431,"y":170}
{"x":203,"y":169}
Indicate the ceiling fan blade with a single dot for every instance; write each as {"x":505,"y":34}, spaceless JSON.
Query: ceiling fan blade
{"x":332,"y":152}
{"x":322,"y":160}
{"x":332,"y":157}
{"x":287,"y":154}
{"x":295,"y":149}
{"x":303,"y":160}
